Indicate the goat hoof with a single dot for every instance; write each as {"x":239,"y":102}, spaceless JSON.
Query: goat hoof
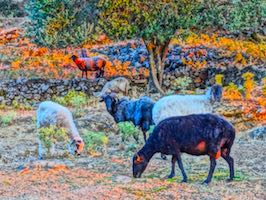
{"x":206,"y":182}
{"x":184,"y":181}
{"x":171,"y":176}
{"x":40,"y":158}
{"x":229,"y":180}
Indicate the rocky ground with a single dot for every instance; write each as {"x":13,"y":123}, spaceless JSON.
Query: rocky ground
{"x":109,"y":176}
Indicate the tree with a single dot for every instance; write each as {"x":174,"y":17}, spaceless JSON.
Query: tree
{"x":155,"y":22}
{"x":60,"y":23}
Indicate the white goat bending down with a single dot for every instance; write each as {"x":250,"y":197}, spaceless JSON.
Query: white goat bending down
{"x":181,"y":105}
{"x":53,"y":114}
{"x":116,"y":85}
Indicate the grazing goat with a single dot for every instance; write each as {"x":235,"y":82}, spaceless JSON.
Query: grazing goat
{"x":90,"y":64}
{"x":137,"y":111}
{"x":50,"y":113}
{"x":202,"y":134}
{"x":116,"y":85}
{"x":180,"y":105}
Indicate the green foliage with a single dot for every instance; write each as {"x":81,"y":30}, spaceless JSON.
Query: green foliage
{"x":52,"y":134}
{"x":233,"y":15}
{"x":249,"y":84}
{"x":95,"y":141}
{"x":72,"y":98}
{"x":219,"y":79}
{"x":181,"y":83}
{"x":264,"y":86}
{"x":21,"y":105}
{"x":11,"y":8}
{"x":75,"y":99}
{"x":127,"y":130}
{"x":7,"y":119}
{"x":60,"y":23}
{"x":155,"y":21}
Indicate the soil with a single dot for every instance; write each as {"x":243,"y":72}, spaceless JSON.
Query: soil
{"x":109,"y":176}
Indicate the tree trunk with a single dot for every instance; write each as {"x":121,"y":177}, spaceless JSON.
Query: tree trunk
{"x":164,"y":51}
{"x":157,"y":57}
{"x":153,"y":72}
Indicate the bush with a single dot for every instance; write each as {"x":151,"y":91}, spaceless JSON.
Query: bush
{"x":72,"y":98}
{"x":127,"y":130}
{"x":233,"y":16}
{"x":7,"y":119}
{"x":60,"y":23}
{"x":249,"y":84}
{"x":264,"y":86}
{"x":51,"y":135}
{"x":95,"y":141}
{"x":12,"y":8}
{"x":232,"y":92}
{"x":219,"y":79}
{"x":181,"y":83}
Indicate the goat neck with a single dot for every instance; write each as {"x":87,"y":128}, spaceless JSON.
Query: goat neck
{"x":149,"y":149}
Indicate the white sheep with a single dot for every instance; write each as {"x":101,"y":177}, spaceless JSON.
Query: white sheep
{"x":181,"y":105}
{"x":53,"y":114}
{"x":116,"y":85}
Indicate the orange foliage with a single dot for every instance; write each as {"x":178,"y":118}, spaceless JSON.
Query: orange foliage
{"x":117,"y":68}
{"x":249,"y":84}
{"x":231,"y":92}
{"x":196,"y":65}
{"x":31,"y":60}
{"x":257,"y":52}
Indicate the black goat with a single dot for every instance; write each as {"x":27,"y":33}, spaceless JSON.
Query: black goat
{"x":137,"y":111}
{"x":202,"y":134}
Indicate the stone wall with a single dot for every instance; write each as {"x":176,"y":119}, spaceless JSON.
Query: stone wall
{"x":23,"y":90}
{"x":205,"y":77}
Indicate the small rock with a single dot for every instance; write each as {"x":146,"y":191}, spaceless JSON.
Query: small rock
{"x":258,"y":133}
{"x":122,"y":179}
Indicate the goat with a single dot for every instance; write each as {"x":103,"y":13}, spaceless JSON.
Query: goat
{"x":90,"y":64}
{"x":53,"y":114}
{"x":180,"y":105}
{"x":202,"y":134}
{"x":137,"y":111}
{"x":114,"y":86}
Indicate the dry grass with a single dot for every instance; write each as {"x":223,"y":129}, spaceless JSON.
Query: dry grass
{"x":109,"y":176}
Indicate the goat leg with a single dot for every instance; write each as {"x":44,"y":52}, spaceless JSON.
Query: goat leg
{"x":145,"y":136}
{"x":212,"y":168}
{"x":180,"y":165}
{"x":172,"y":174}
{"x":230,"y":162}
{"x":40,"y":150}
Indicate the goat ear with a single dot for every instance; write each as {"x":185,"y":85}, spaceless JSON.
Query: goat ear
{"x":139,"y":159}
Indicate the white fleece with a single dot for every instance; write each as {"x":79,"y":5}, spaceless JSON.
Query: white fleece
{"x":180,"y":105}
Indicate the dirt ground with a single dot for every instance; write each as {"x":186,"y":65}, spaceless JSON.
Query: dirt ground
{"x":109,"y":176}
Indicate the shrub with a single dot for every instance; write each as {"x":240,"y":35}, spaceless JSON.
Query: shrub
{"x":7,"y":119}
{"x":264,"y":86}
{"x":234,"y":16}
{"x":60,"y":23}
{"x":95,"y":141}
{"x":232,"y":92}
{"x":181,"y":83}
{"x":51,"y":135}
{"x":12,"y":8}
{"x":219,"y":79}
{"x":127,"y":130}
{"x":72,"y":98}
{"x":249,"y":84}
